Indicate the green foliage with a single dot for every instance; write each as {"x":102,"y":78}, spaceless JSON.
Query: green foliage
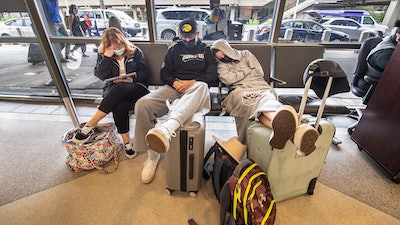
{"x":7,"y":18}
{"x":377,"y":15}
{"x":253,"y":22}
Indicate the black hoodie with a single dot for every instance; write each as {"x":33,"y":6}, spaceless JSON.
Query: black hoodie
{"x":187,"y":63}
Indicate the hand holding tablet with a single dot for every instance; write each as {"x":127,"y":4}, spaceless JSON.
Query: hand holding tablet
{"x":120,"y":77}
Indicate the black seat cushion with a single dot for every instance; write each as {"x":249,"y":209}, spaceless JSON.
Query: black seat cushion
{"x":312,"y":104}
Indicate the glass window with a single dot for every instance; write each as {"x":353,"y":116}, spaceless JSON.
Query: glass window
{"x":356,"y":18}
{"x":286,"y":24}
{"x":16,"y":22}
{"x":323,"y":20}
{"x":312,"y":26}
{"x":339,"y":23}
{"x":352,"y":24}
{"x":98,"y":15}
{"x":109,"y":14}
{"x":298,"y":25}
{"x":368,"y":20}
{"x":250,"y":23}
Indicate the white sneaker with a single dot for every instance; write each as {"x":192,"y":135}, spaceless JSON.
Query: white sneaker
{"x":130,"y":153}
{"x":158,"y":138}
{"x":149,"y":170}
{"x":72,"y":57}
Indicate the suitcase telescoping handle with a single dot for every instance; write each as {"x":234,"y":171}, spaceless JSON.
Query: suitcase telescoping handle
{"x":321,"y":107}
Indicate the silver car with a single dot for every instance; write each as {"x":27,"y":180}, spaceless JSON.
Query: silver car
{"x":18,"y":27}
{"x":168,"y":19}
{"x":349,"y":26}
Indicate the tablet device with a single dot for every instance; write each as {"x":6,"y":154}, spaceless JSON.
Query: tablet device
{"x":120,"y":77}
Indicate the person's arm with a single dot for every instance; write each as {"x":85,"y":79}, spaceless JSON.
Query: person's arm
{"x":182,"y":85}
{"x":228,"y":75}
{"x":168,"y":68}
{"x":103,"y":68}
{"x":70,"y":21}
{"x":142,"y":72}
{"x":253,"y":62}
{"x":380,"y":59}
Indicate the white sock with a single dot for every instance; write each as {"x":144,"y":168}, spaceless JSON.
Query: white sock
{"x":172,"y":124}
{"x":128,"y":146}
{"x":152,"y":155}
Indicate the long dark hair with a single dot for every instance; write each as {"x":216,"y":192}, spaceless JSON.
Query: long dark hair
{"x":113,"y":21}
{"x":212,"y":3}
{"x":71,"y":9}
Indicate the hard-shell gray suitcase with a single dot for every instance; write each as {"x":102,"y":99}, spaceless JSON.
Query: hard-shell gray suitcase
{"x":291,"y":174}
{"x":184,"y":159}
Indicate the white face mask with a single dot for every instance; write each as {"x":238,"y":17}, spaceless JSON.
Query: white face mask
{"x":119,"y":52}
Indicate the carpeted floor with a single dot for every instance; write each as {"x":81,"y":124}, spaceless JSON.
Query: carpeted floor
{"x":353,"y":172}
{"x":32,"y":160}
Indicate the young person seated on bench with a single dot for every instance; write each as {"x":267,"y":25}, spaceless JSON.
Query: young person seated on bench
{"x":187,"y":70}
{"x":380,"y":55}
{"x":251,"y":97}
{"x":117,"y":57}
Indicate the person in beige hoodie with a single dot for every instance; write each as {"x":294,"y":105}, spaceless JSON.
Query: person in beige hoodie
{"x":251,"y":97}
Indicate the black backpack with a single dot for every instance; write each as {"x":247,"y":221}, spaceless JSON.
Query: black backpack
{"x":220,"y":169}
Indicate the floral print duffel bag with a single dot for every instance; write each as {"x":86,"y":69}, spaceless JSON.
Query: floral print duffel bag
{"x":103,"y":146}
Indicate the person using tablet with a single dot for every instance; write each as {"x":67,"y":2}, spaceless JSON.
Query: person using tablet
{"x":117,"y":57}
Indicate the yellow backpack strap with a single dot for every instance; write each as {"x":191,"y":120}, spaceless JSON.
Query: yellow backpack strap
{"x":236,"y":195}
{"x":245,"y":212}
{"x":236,"y":198}
{"x":246,"y":172}
{"x":271,"y":205}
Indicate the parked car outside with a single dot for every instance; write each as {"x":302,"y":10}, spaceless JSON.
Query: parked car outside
{"x":303,"y":30}
{"x":168,"y":19}
{"x":100,"y":17}
{"x":349,"y":26}
{"x":361,"y":16}
{"x":17,"y":27}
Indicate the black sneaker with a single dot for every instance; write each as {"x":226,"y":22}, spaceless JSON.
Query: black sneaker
{"x":81,"y":138}
{"x":130,"y":153}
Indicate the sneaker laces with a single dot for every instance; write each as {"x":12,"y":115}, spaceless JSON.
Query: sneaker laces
{"x":87,"y":130}
{"x":169,"y":105}
{"x":168,"y":132}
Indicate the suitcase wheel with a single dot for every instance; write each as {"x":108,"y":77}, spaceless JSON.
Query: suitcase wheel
{"x":168,"y":191}
{"x":311,"y":186}
{"x":192,"y":194}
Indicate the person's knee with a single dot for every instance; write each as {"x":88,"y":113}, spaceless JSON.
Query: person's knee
{"x":201,"y":84}
{"x":141,"y":105}
{"x":200,"y":87}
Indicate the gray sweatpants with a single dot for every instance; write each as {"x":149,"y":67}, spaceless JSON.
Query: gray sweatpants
{"x":151,"y":106}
